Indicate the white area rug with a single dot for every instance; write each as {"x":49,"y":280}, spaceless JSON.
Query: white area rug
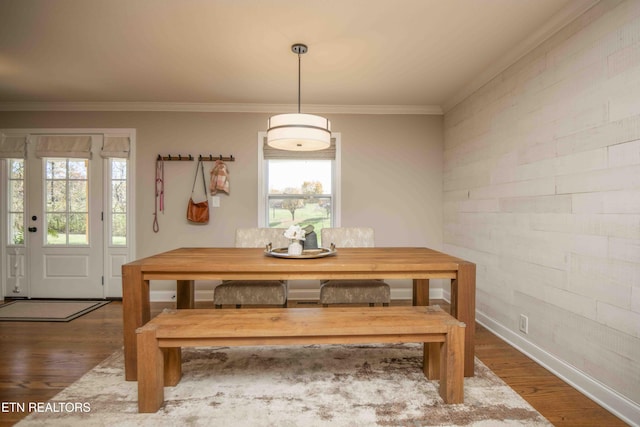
{"x":330,"y":385}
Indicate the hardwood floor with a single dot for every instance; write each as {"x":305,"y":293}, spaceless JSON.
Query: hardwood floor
{"x":37,"y":360}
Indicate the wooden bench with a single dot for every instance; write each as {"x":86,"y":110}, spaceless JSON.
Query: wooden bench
{"x":161,"y":339}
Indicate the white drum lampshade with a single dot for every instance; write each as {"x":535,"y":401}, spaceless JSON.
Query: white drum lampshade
{"x":299,"y":132}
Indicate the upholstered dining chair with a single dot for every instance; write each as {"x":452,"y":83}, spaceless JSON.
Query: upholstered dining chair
{"x":352,"y":291}
{"x":254,"y":292}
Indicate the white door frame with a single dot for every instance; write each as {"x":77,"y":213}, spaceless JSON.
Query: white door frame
{"x":13,"y":260}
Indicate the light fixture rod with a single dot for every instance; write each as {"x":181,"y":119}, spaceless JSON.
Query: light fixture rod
{"x":299,"y":61}
{"x":299,"y":49}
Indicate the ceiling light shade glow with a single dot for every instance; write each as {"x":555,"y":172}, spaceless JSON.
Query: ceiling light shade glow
{"x":298,"y":132}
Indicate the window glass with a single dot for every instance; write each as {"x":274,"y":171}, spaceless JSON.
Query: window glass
{"x":118,"y":199}
{"x":15,"y":201}
{"x":67,"y":202}
{"x":300,"y":192}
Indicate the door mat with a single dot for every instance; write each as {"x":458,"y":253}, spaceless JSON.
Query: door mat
{"x":46,"y":311}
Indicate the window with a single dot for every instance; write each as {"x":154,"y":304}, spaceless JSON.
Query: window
{"x":67,"y":201}
{"x":116,"y":150}
{"x":299,"y":192}
{"x":118,"y":196}
{"x":300,"y":188}
{"x":16,"y":201}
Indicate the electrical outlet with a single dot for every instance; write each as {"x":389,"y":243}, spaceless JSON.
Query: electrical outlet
{"x":215,"y":201}
{"x":524,"y":324}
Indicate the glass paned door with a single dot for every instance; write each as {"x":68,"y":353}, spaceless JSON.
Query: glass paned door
{"x":64,"y":223}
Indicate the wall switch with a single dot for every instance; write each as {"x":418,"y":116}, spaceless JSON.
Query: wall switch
{"x":215,"y":201}
{"x":524,"y":324}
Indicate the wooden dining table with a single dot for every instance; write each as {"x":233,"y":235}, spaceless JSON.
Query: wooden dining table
{"x":186,"y":265}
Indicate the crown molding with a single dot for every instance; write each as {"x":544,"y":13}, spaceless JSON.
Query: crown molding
{"x":371,"y":109}
{"x":568,"y":14}
{"x":220,"y":108}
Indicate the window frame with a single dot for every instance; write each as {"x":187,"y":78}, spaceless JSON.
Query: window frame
{"x":263,"y":191}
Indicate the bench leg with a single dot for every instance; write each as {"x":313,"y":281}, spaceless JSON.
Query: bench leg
{"x":452,"y":366}
{"x":431,"y":360}
{"x":172,"y":365}
{"x":150,"y":372}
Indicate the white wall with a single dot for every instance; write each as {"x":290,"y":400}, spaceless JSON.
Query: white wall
{"x":542,"y":191}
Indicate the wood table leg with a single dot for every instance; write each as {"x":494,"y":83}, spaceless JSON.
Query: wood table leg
{"x":463,"y":294}
{"x":420,"y":291}
{"x":185,"y":290}
{"x":135,"y":313}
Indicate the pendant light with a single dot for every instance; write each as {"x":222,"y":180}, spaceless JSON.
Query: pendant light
{"x":298,"y":132}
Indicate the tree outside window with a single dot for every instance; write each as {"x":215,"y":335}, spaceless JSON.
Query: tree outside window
{"x":300,"y":193}
{"x":16,"y":201}
{"x":67,"y":201}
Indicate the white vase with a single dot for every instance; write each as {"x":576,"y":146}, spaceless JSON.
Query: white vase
{"x":295,"y":248}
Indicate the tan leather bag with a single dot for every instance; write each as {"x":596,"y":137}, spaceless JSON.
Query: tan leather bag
{"x":198,"y":213}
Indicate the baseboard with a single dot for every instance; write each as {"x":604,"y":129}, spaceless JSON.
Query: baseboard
{"x":162,"y":296}
{"x":609,"y":399}
{"x":603,"y":395}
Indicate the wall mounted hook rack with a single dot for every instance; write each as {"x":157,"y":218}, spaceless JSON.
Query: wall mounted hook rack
{"x":189,"y":158}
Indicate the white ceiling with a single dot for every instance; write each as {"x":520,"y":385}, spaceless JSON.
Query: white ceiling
{"x":412,"y":54}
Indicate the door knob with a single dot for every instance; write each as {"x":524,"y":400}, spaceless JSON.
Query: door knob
{"x":33,"y":229}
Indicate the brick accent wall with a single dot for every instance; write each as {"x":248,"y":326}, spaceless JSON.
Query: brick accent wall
{"x":542,"y":191}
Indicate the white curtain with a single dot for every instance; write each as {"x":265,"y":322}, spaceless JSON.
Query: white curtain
{"x":63,"y":146}
{"x":13,"y":147}
{"x":115,"y":146}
